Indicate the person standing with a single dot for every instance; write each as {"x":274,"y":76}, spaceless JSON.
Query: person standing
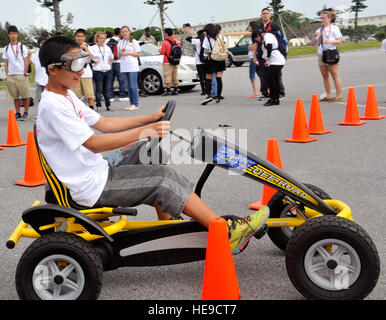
{"x":129,"y":52}
{"x":187,"y":48}
{"x":212,"y":66}
{"x":147,"y":37}
{"x":116,"y":67}
{"x":268,"y":26}
{"x":274,"y":63}
{"x":16,"y":57}
{"x":103,"y":58}
{"x":170,"y":70}
{"x":86,"y":87}
{"x":253,"y":67}
{"x":41,"y":77}
{"x":384,"y":45}
{"x":197,"y":42}
{"x":327,"y":37}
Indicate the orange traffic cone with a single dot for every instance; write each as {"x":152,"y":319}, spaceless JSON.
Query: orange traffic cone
{"x":300,"y":130}
{"x":273,"y":156}
{"x":13,"y":137}
{"x":315,"y":125}
{"x":352,"y":114}
{"x":33,"y":175}
{"x":220,"y":279}
{"x":372,"y":112}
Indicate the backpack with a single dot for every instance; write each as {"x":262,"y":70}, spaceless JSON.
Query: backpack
{"x":112,"y":44}
{"x":205,"y":59}
{"x":175,"y":54}
{"x":21,"y":48}
{"x":282,"y":43}
{"x":220,"y":50}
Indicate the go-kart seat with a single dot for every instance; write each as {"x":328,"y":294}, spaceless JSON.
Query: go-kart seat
{"x":56,"y":191}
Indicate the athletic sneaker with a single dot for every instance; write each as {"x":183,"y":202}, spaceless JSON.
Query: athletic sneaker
{"x":253,"y":96}
{"x":243,"y":229}
{"x":124,"y":99}
{"x":18,"y":116}
{"x":25,"y":116}
{"x":131,"y":108}
{"x":206,"y":101}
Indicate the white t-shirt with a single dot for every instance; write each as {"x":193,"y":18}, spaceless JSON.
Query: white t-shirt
{"x":62,"y":128}
{"x":197,"y":44}
{"x":250,"y":52}
{"x":15,"y":58}
{"x":129,"y":63}
{"x":41,"y":77}
{"x":102,"y":55}
{"x":384,"y":45}
{"x":208,"y":47}
{"x":329,"y":33}
{"x":276,"y":57}
{"x":87,"y":71}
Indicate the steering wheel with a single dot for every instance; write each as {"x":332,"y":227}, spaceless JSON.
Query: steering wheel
{"x":169,"y":110}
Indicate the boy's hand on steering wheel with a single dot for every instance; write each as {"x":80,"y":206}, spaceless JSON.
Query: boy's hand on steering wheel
{"x":159,"y":114}
{"x":157,"y":130}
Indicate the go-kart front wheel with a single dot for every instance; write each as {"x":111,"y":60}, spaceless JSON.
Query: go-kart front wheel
{"x":332,"y":258}
{"x":59,"y":266}
{"x":278,"y":209}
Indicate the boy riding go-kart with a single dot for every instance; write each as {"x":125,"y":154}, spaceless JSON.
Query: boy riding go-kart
{"x":78,"y":237}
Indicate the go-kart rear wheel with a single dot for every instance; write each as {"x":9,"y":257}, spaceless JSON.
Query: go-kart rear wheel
{"x":59,"y":266}
{"x":278,"y":209}
{"x":331,"y":257}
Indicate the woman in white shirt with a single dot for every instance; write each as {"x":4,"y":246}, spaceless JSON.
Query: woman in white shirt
{"x":274,"y":62}
{"x":129,"y":52}
{"x":327,"y":37}
{"x":102,"y":75}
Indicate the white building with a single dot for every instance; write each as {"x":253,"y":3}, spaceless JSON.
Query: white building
{"x":379,"y":21}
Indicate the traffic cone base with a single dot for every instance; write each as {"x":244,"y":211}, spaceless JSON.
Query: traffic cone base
{"x":300,"y":130}
{"x":13,"y":137}
{"x":352,"y":115}
{"x":33,"y":174}
{"x":316,"y":122}
{"x":220,"y":279}
{"x":372,"y":112}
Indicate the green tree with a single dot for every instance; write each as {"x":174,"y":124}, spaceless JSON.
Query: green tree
{"x":55,"y":8}
{"x":358,"y":6}
{"x":161,"y":4}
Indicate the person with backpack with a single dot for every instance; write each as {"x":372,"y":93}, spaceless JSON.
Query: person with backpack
{"x":129,"y":51}
{"x":16,"y":58}
{"x":172,"y":52}
{"x":274,"y":63}
{"x":196,"y":43}
{"x":269,"y":26}
{"x":116,"y":67}
{"x":86,"y":87}
{"x":214,"y":53}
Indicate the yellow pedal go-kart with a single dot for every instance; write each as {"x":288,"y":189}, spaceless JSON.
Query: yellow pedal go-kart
{"x":328,"y":256}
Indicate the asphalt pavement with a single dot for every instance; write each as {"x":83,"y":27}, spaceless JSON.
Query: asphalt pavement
{"x":348,"y":163}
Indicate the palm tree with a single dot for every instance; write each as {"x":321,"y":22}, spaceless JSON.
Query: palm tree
{"x":358,"y":6}
{"x":161,"y":6}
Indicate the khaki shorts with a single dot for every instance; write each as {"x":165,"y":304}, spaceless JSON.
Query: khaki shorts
{"x":85,"y":88}
{"x":320,"y":61}
{"x":17,"y":87}
{"x":170,"y":74}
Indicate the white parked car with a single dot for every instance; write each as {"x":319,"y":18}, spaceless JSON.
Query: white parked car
{"x":152,"y":71}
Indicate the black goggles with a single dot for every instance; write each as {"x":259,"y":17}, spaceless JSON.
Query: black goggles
{"x":73,"y":63}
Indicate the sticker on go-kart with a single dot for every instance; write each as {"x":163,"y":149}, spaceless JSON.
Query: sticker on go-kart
{"x":231,"y":158}
{"x":266,"y":175}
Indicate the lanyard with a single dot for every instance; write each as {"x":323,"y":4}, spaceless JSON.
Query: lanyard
{"x":327,"y":34}
{"x":17,"y":51}
{"x":268,"y":28}
{"x":102,"y":54}
{"x":68,"y":97}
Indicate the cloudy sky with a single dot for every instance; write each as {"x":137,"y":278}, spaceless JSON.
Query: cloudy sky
{"x":97,"y":13}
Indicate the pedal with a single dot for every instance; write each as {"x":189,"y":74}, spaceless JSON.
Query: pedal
{"x":261,"y":233}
